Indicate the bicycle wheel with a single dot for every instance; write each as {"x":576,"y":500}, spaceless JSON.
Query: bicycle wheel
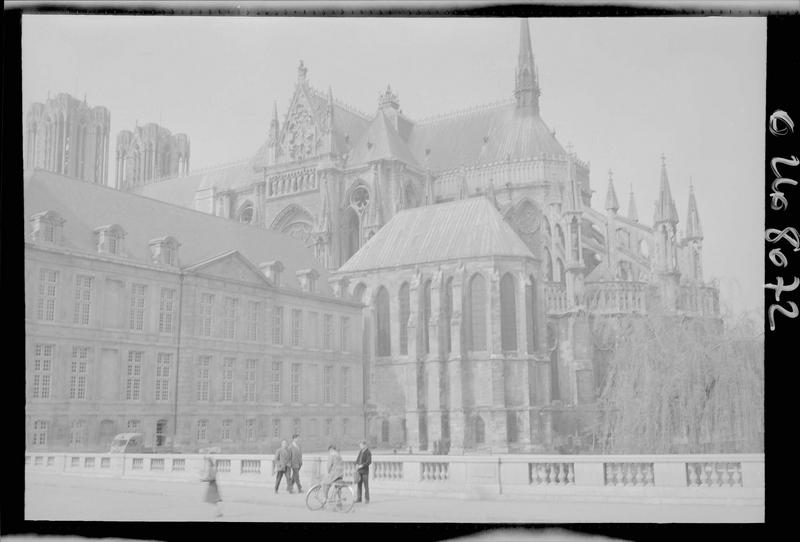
{"x":346,"y":499}
{"x":315,"y":500}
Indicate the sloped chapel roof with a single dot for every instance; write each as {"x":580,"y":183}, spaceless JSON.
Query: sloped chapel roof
{"x":86,"y":206}
{"x":469,"y":228}
{"x":493,"y":133}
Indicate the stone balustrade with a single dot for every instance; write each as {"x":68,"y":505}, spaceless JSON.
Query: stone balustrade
{"x":699,"y":300}
{"x":616,"y":297}
{"x":705,"y":478}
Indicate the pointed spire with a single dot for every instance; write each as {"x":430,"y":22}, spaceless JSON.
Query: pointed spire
{"x":526,"y":90}
{"x":694,"y":230}
{"x":274,"y":126}
{"x":302,"y":72}
{"x":611,"y":195}
{"x":665,"y":206}
{"x":463,"y":187}
{"x":490,"y":193}
{"x":329,"y":121}
{"x":633,"y":215}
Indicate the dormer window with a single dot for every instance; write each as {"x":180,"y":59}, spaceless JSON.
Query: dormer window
{"x":164,"y":250}
{"x":308,"y":280}
{"x":47,"y":227}
{"x":273,"y":270}
{"x":110,"y":239}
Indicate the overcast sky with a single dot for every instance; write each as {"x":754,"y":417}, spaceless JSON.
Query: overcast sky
{"x":622,"y":91}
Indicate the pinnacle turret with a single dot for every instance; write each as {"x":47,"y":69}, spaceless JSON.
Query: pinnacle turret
{"x":665,"y":206}
{"x":612,"y":204}
{"x":694,"y":230}
{"x":632,"y":213}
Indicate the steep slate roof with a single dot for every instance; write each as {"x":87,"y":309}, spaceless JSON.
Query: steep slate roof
{"x":382,"y":141}
{"x":458,"y":139}
{"x":85,"y":206}
{"x":469,"y":228}
{"x":181,"y":190}
{"x":346,"y":122}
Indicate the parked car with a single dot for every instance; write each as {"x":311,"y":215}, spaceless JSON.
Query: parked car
{"x":129,"y":443}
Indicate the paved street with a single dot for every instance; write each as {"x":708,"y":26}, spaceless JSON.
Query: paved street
{"x":57,"y":497}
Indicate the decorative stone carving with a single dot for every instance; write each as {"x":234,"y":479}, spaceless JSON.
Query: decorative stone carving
{"x":300,"y":141}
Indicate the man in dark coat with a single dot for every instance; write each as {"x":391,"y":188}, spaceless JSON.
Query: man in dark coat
{"x":363,"y":462}
{"x":283,"y":466}
{"x":296,"y":461}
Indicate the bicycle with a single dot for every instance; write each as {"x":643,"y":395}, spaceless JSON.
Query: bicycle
{"x":340,"y":497}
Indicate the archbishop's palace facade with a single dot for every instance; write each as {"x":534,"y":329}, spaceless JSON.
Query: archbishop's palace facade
{"x":436,"y":285}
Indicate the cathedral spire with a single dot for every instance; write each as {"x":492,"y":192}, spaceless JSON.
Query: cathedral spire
{"x":274,"y":126}
{"x":329,"y":120}
{"x":632,"y":213}
{"x":526,"y":89}
{"x":612,"y":204}
{"x":665,"y":206}
{"x":693,"y":228}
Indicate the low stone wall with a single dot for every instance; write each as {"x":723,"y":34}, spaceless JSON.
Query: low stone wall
{"x":718,"y":478}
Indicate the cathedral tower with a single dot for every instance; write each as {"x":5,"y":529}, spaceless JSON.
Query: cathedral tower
{"x":66,"y":136}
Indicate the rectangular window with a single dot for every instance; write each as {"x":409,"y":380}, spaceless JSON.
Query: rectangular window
{"x":345,"y":427}
{"x":206,"y":312}
{"x":277,"y":375}
{"x":227,"y":378}
{"x":250,"y":429}
{"x":328,"y":427}
{"x":77,"y":377}
{"x":253,"y":312}
{"x":133,"y":382}
{"x":313,"y":331}
{"x":296,"y":375}
{"x":39,"y":433}
{"x":297,"y":426}
{"x":313,"y":430}
{"x":227,"y":429}
{"x":133,"y":426}
{"x":163,"y":367}
{"x":297,"y":326}
{"x":203,"y":368}
{"x":42,"y":370}
{"x":138,"y":292}
{"x":76,"y":432}
{"x":277,"y":325}
{"x":202,"y":430}
{"x":327,"y":332}
{"x":231,"y":316}
{"x":345,"y":385}
{"x":276,"y":427}
{"x":250,"y":381}
{"x":83,"y":299}
{"x":328,"y":384}
{"x":46,"y":307}
{"x":344,"y":332}
{"x":166,"y":310}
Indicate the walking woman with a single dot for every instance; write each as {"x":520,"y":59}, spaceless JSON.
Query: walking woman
{"x":212,"y":491}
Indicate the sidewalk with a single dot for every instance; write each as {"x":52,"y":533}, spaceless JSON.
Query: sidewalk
{"x":56,"y":497}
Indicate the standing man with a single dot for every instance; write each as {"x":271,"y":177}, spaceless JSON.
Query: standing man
{"x":296,"y":456}
{"x":363,"y":462}
{"x":283,"y":467}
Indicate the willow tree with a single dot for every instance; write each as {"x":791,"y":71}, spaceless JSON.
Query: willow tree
{"x":682,"y":385}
